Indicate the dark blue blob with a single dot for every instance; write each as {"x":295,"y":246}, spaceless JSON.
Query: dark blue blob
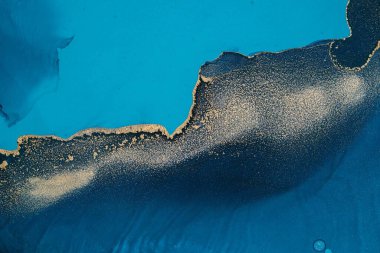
{"x":364,"y":20}
{"x":29,"y":61}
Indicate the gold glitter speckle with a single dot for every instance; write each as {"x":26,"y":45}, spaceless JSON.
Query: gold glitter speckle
{"x":70,"y":158}
{"x":3,"y":165}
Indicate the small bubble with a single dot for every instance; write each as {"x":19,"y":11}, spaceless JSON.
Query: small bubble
{"x":320,"y":245}
{"x":328,"y":251}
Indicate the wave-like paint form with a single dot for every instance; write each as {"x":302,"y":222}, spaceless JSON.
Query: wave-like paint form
{"x":29,"y":57}
{"x":279,"y":150}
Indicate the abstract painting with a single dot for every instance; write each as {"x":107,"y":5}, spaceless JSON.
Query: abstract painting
{"x":276,"y":149}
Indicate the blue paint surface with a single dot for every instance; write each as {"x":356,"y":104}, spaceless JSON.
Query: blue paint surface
{"x":134,"y":62}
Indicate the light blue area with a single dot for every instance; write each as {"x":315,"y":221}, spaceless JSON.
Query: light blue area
{"x":328,"y":251}
{"x":319,"y":245}
{"x":134,"y":61}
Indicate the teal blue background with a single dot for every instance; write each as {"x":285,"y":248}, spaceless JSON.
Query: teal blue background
{"x":136,"y":62}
